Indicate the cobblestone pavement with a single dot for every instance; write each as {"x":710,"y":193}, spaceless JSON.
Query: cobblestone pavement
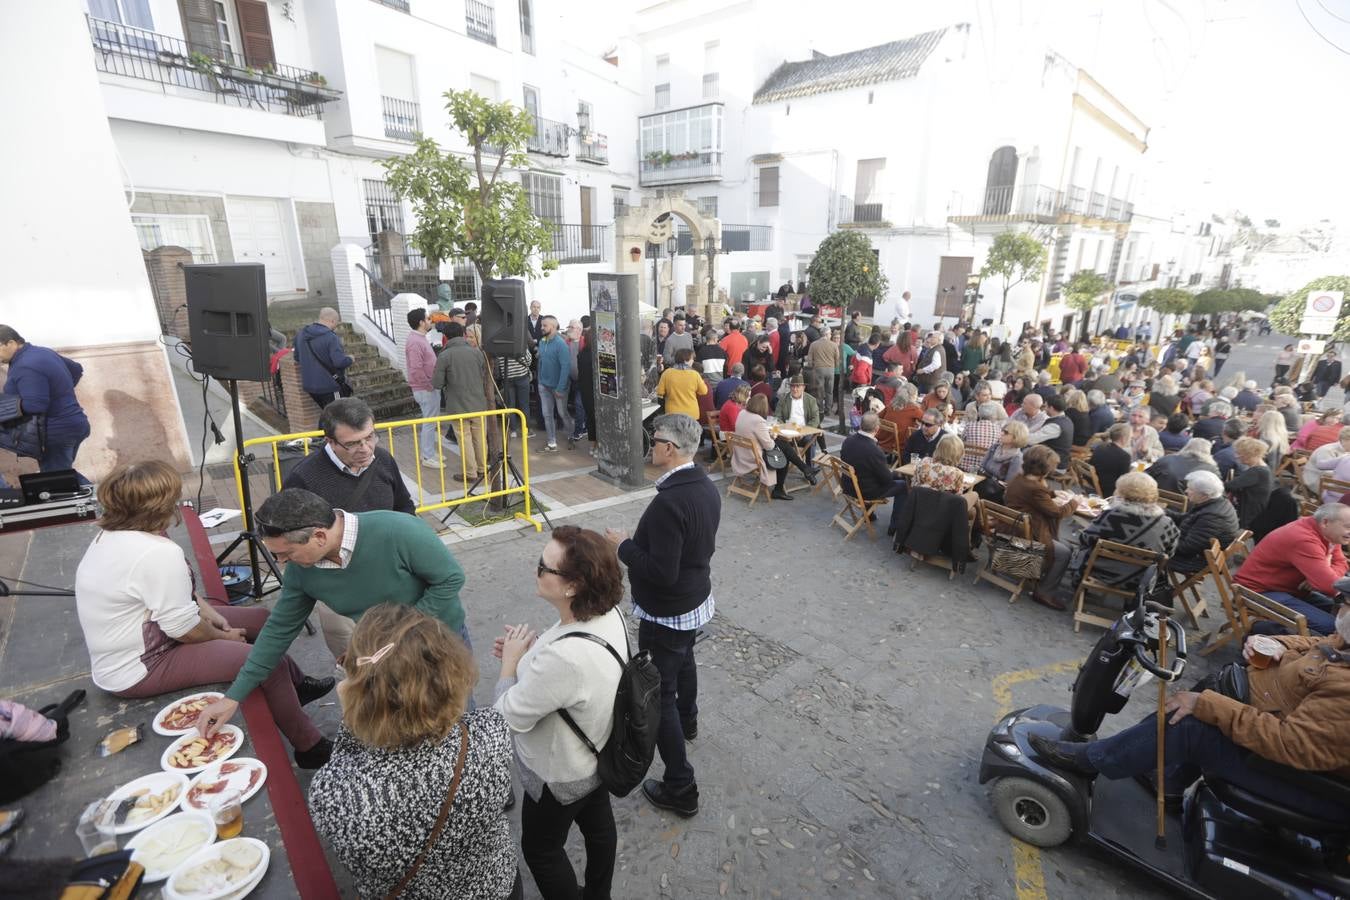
{"x":844,"y":704}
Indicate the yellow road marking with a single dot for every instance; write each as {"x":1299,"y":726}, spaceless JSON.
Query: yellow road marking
{"x":1028,"y":875}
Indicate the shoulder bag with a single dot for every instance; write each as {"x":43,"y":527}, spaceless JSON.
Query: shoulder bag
{"x":343,"y":388}
{"x":1015,"y":556}
{"x":440,"y":819}
{"x":23,"y":435}
{"x":775,"y":458}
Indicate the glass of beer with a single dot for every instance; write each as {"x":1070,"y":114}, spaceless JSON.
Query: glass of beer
{"x":1263,"y":651}
{"x":227,"y":811}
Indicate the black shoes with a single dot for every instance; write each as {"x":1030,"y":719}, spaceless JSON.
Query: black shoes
{"x":681,"y":801}
{"x":315,"y":757}
{"x":690,"y":729}
{"x":1055,"y":753}
{"x":312,"y":689}
{"x":779,"y":494}
{"x":813,"y":475}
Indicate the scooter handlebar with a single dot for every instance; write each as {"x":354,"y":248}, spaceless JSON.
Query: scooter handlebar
{"x":1147,"y":660}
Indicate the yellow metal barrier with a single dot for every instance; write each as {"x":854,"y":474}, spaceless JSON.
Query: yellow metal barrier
{"x":472,"y":430}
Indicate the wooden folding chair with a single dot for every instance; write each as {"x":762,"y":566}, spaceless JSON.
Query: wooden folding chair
{"x":856,"y":511}
{"x":1291,"y":467}
{"x":1250,"y":605}
{"x":1221,"y":571}
{"x":1173,"y":501}
{"x":736,"y":485}
{"x":829,"y":476}
{"x":1116,"y":552}
{"x":993,"y":518}
{"x":1186,"y":587}
{"x":1334,"y":485}
{"x":892,"y":430}
{"x":722,"y":453}
{"x":1085,"y":476}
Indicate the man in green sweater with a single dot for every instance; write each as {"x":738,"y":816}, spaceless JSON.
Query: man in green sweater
{"x":350,"y":561}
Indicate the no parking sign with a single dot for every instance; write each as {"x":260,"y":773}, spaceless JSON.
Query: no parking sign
{"x":1321,"y":311}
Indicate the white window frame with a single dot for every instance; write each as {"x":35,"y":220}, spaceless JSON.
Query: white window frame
{"x":143,"y":221}
{"x":225,"y":27}
{"x":778,"y":187}
{"x":708,"y":206}
{"x":660,"y":101}
{"x":543,"y":203}
{"x":711,"y":85}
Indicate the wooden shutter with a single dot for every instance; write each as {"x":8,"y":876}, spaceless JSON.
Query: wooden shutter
{"x":768,"y":186}
{"x":257,"y":33}
{"x":200,"y":28}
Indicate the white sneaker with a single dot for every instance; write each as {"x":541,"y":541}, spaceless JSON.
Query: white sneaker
{"x":432,"y":463}
{"x":550,"y":448}
{"x":515,"y":434}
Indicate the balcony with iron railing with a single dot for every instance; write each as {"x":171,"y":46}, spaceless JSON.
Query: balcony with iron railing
{"x":1038,"y":202}
{"x":678,"y":168}
{"x":400,"y":5}
{"x":178,"y":68}
{"x":402,"y":118}
{"x":549,"y":138}
{"x":480,"y":21}
{"x":593,"y":147}
{"x":873,"y":212}
{"x":579,"y":243}
{"x":735,"y":238}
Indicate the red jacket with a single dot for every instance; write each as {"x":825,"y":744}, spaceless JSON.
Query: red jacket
{"x":1291,"y":555}
{"x":1072,"y":368}
{"x":735,"y":345}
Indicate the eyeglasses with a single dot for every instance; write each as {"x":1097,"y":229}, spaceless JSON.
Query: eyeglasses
{"x":369,"y":440}
{"x":541,"y":569}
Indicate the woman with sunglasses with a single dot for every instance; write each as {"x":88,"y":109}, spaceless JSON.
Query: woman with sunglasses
{"x":147,"y":631}
{"x":579,"y":576}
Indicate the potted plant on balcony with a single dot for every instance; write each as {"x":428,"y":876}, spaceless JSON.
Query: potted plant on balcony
{"x":659,"y":158}
{"x":272,"y":79}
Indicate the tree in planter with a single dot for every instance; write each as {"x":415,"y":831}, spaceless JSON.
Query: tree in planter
{"x":1014,"y":257}
{"x":845,"y":269}
{"x":470,"y":210}
{"x":1288,"y":314}
{"x":1083,"y":291}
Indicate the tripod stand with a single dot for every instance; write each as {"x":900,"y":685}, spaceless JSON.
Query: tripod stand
{"x":501,"y":463}
{"x":256,"y":548}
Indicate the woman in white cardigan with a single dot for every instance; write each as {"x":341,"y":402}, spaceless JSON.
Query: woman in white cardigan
{"x":579,"y":576}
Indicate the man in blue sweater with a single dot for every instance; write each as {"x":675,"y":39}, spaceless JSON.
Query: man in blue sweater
{"x":555,"y":377}
{"x":44,"y":381}
{"x":322,"y":361}
{"x":669,"y":560}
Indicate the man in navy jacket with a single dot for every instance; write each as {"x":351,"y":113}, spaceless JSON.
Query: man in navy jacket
{"x":319,"y":353}
{"x":669,"y":561}
{"x":44,"y":381}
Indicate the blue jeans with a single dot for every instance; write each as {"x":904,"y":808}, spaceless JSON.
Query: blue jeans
{"x":1319,"y":609}
{"x":429,"y":405}
{"x":551,"y":404}
{"x":516,"y":393}
{"x":672,"y":653}
{"x":464,"y":636}
{"x":61,"y":455}
{"x":1193,"y":747}
{"x":578,"y":411}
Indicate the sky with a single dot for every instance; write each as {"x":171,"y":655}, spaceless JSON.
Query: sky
{"x":1244,"y":98}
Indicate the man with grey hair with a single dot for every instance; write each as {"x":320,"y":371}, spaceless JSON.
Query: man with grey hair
{"x":1299,"y":564}
{"x":1044,"y":387}
{"x":669,"y":560}
{"x":1030,"y":413}
{"x":1248,"y":399}
{"x":1210,"y":425}
{"x":1208,"y":516}
{"x":932,"y":362}
{"x":322,"y":361}
{"x":1100,"y":415}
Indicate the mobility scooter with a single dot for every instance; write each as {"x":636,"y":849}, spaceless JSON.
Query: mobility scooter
{"x":1224,"y":842}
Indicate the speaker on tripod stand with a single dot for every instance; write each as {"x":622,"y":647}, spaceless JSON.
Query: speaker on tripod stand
{"x":228,"y":328}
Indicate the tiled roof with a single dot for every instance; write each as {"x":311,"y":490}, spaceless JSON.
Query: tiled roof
{"x":884,"y":62}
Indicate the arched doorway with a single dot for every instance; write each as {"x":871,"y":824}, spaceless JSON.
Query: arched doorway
{"x":653,"y":222}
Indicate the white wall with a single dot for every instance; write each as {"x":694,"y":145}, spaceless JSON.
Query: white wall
{"x":75,"y":276}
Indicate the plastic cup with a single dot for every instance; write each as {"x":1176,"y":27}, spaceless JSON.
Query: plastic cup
{"x":96,"y":828}
{"x":1263,"y":650}
{"x":227,"y":811}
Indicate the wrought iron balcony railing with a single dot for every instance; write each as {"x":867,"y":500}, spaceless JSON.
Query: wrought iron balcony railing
{"x":480,"y":21}
{"x":171,"y":63}
{"x":579,"y":244}
{"x":549,"y":138}
{"x":691,"y":166}
{"x":402,"y":118}
{"x":593,"y":147}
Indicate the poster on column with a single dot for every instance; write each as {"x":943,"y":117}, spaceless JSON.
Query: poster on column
{"x":604,"y":303}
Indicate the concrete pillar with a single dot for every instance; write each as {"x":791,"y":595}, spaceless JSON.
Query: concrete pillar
{"x":352,"y":290}
{"x":400,"y":306}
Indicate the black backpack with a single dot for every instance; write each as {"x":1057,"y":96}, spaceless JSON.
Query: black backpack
{"x":624,"y":760}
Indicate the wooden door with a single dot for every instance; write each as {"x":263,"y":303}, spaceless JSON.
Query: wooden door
{"x":587,"y":215}
{"x":953,"y":273}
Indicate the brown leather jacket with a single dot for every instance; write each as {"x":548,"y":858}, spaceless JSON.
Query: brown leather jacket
{"x":1300,"y":709}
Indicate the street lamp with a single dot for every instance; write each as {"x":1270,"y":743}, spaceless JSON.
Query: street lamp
{"x":710,"y":249}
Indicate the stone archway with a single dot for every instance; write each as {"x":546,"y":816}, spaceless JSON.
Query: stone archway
{"x":640,"y":226}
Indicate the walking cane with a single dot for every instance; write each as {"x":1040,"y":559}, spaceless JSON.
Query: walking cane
{"x":1160,"y":842}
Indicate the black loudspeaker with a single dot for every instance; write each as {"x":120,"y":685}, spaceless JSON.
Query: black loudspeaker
{"x":227,"y":321}
{"x":502,"y":315}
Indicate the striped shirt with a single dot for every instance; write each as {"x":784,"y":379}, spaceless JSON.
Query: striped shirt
{"x":348,"y":545}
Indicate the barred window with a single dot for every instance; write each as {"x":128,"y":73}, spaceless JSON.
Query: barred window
{"x":545,"y":193}
{"x":384,"y":211}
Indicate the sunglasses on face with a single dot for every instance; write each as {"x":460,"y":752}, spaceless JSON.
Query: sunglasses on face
{"x":541,"y":569}
{"x":929,"y":424}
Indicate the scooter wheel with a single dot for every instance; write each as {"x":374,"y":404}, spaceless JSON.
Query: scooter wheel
{"x":1031,"y":812}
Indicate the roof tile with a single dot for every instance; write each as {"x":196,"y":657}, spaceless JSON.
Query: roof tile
{"x":885,"y":62}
